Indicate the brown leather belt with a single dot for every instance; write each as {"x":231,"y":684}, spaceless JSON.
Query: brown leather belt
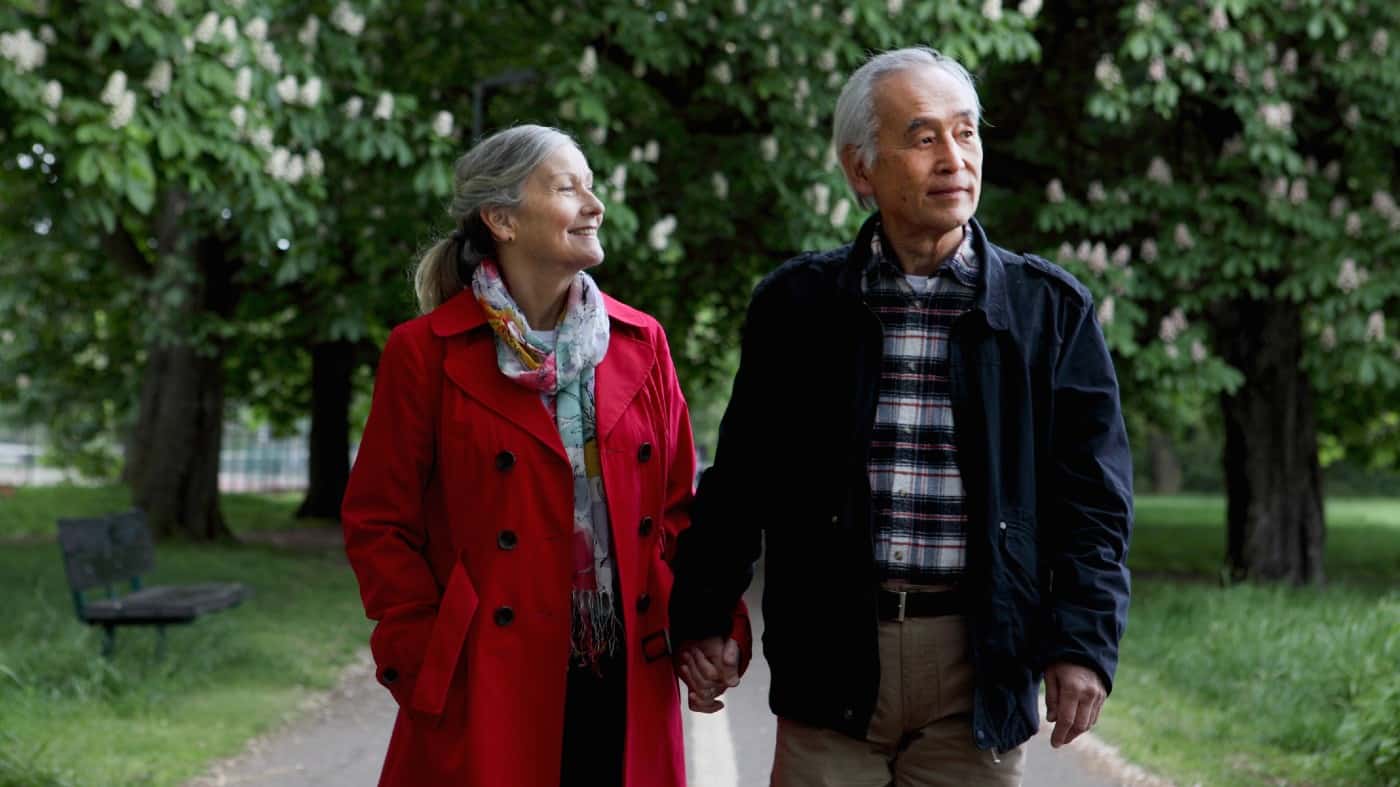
{"x":897,"y":605}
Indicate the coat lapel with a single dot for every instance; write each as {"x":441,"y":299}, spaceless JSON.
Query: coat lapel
{"x":620,"y":376}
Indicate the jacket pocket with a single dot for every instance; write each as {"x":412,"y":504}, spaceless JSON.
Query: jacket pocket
{"x":444,"y":648}
{"x":1020,"y":554}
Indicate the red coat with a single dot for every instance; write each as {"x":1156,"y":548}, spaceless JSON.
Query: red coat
{"x":458,"y":522}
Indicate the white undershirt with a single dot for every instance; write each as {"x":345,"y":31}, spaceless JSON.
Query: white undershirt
{"x":921,"y":284}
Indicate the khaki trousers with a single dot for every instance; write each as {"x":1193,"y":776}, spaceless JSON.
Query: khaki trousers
{"x":921,"y":732}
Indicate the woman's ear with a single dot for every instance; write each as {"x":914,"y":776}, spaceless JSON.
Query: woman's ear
{"x":500,"y":222}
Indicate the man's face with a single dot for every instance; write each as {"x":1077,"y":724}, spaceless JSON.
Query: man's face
{"x":926,"y":177}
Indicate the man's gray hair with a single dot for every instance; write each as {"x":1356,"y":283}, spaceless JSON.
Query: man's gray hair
{"x":491,"y":174}
{"x":856,"y":123}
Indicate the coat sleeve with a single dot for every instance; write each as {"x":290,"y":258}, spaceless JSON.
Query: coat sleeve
{"x":715,"y":557}
{"x":680,"y":490}
{"x":1092,"y":512}
{"x":383,"y":512}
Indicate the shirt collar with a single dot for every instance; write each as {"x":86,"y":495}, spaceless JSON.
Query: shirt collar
{"x":962,"y":265}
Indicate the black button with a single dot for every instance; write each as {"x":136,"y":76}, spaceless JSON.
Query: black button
{"x":645,"y":529}
{"x":504,"y":615}
{"x":505,"y":460}
{"x":506,"y":539}
{"x":643,"y":603}
{"x":388,"y":676}
{"x":644,"y":452}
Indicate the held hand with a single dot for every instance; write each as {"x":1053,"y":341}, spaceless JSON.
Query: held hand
{"x":1073,"y":697}
{"x":708,"y":667}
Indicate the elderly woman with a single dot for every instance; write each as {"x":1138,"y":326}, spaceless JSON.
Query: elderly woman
{"x":524,"y":472}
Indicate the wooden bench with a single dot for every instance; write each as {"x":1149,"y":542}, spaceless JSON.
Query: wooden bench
{"x":109,"y":551}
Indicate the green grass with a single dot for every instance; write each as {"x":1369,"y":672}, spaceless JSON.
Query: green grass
{"x":1251,"y":685}
{"x":70,"y":717}
{"x":32,"y":511}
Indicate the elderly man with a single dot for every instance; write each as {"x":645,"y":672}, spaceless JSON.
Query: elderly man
{"x":926,"y":428}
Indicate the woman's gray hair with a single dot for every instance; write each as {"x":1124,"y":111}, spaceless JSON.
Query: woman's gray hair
{"x":490,"y":175}
{"x":856,"y":123}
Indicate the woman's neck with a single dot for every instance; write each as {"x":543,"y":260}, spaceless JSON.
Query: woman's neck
{"x":540,"y":292}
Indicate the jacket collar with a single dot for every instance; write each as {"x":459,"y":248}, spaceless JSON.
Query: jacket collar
{"x":462,"y":313}
{"x":991,"y":286}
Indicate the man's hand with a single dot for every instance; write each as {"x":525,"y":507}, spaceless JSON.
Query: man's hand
{"x":708,"y":667}
{"x":1073,"y":697}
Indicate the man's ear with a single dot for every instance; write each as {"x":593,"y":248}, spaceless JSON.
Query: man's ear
{"x":857,"y":173}
{"x":500,"y":221}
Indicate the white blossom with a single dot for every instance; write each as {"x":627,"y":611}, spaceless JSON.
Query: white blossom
{"x":1353,"y":225}
{"x":1277,"y":116}
{"x":22,"y":382}
{"x":652,"y":151}
{"x":1332,"y":171}
{"x":1106,"y":310}
{"x":277,"y":163}
{"x":1328,"y":339}
{"x":639,"y":69}
{"x":47,"y":34}
{"x":1098,"y":258}
{"x":296,"y":169}
{"x":1096,"y":192}
{"x":256,"y":30}
{"x":158,"y":82}
{"x":384,"y":107}
{"x":262,"y":138}
{"x":618,"y":178}
{"x":773,"y":57}
{"x":1349,"y":276}
{"x":1157,"y":69}
{"x":1219,"y":20}
{"x":1182,"y":237}
{"x":635,"y":154}
{"x":1173,"y":325}
{"x":1232,"y":147}
{"x":123,"y":110}
{"x":660,"y":234}
{"x":768,"y":148}
{"x":309,"y":31}
{"x":1198,"y":351}
{"x":741,"y":7}
{"x":848,"y":17}
{"x":229,"y":29}
{"x":1055,"y":191}
{"x":207,"y":28}
{"x":1107,"y":73}
{"x":820,"y":197}
{"x":894,"y":6}
{"x":1183,"y":52}
{"x":1375,"y":327}
{"x":267,"y":57}
{"x":826,"y":61}
{"x":721,"y":185}
{"x":315,"y":165}
{"x":568,"y":109}
{"x":166,"y":7}
{"x":1268,"y":81}
{"x":1289,"y":64}
{"x":53,"y":94}
{"x":588,"y":63}
{"x":1148,"y":251}
{"x":1159,"y":171}
{"x":722,"y":73}
{"x":1172,"y":351}
{"x":1029,"y":8}
{"x":1085,"y":251}
{"x":1380,"y":42}
{"x":1241,"y":75}
{"x":287,"y":89}
{"x":311,"y":92}
{"x":840,"y":212}
{"x":232,"y":57}
{"x":1344,"y":51}
{"x":134,"y":5}
{"x":243,"y":84}
{"x":1337,"y":207}
{"x":1122,"y":255}
{"x":442,"y":124}
{"x":801,"y":90}
{"x":1298,"y":192}
{"x":1144,"y":11}
{"x":991,"y":9}
{"x":239,"y":116}
{"x":679,"y":10}
{"x":1352,"y":117}
{"x":115,"y":88}
{"x":348,"y":19}
{"x":1066,"y":251}
{"x":1276,"y":188}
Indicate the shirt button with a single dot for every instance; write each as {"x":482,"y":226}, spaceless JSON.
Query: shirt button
{"x":1001,"y":525}
{"x":506,"y":539}
{"x":505,"y":460}
{"x":899,"y":555}
{"x":644,"y":452}
{"x":835,"y":519}
{"x":504,"y":616}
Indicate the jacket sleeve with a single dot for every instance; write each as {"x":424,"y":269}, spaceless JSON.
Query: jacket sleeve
{"x":680,"y":490}
{"x":1091,"y":513}
{"x":383,"y":513}
{"x":715,"y":557}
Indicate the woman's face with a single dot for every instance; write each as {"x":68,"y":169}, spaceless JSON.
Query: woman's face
{"x":558,"y":221}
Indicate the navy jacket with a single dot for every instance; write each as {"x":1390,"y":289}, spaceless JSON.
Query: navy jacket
{"x":1045,"y":464}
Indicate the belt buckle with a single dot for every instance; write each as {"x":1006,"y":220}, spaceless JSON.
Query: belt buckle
{"x":899,"y":616}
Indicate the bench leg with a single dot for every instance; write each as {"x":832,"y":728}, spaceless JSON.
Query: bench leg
{"x":109,"y":640}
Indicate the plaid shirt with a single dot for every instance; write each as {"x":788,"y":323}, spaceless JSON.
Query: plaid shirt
{"x":917,"y":491}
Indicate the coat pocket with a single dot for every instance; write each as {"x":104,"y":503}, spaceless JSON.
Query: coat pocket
{"x":444,"y":650}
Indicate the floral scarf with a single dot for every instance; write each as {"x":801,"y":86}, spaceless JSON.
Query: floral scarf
{"x":563,"y":375}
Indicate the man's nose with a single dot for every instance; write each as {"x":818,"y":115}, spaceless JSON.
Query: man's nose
{"x":950,"y":157}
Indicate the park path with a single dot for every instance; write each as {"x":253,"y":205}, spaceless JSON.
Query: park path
{"x":339,"y":740}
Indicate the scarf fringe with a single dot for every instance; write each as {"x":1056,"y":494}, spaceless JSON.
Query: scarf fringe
{"x":597,"y":630}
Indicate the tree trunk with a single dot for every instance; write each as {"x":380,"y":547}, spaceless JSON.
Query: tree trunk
{"x":1166,"y":467}
{"x":332,"y":367}
{"x":1272,"y":475}
{"x":172,"y":461}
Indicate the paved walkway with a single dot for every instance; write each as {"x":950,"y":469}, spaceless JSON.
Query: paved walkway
{"x":340,"y":742}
